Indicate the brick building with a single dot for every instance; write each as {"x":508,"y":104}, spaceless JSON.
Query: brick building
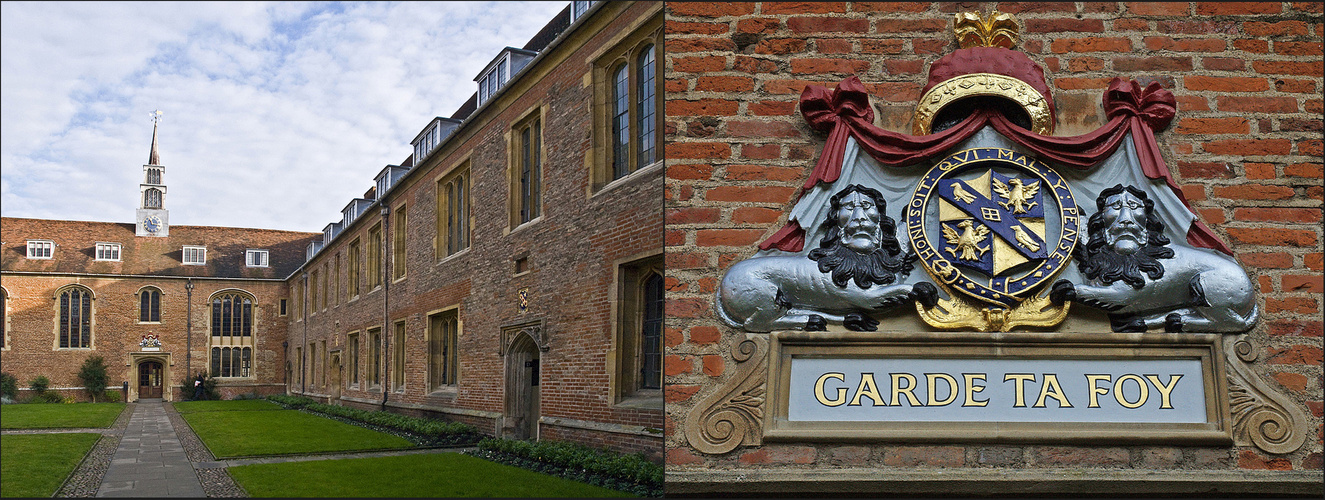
{"x":1245,"y":149}
{"x":213,"y":298}
{"x":508,"y":273}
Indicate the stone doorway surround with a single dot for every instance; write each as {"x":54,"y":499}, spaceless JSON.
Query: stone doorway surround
{"x":167,"y":373}
{"x":522,"y":397}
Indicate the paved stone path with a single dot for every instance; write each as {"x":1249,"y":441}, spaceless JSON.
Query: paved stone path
{"x":150,"y":460}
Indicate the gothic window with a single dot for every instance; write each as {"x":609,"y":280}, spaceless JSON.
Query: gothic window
{"x":154,"y":176}
{"x":443,"y":354}
{"x":375,"y":257}
{"x":353,"y":344}
{"x":526,"y":182}
{"x":375,"y":357}
{"x":398,"y":243}
{"x":152,"y":198}
{"x":453,"y":212}
{"x":398,"y":358}
{"x":232,"y":361}
{"x":639,"y":328}
{"x":75,"y":328}
{"x":628,"y":121}
{"x":353,"y":272}
{"x":232,"y":315}
{"x":149,"y":305}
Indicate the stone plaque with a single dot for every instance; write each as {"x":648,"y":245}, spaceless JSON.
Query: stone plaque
{"x":1041,"y":387}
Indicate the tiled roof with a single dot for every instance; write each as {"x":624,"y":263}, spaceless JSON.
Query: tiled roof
{"x":75,"y":247}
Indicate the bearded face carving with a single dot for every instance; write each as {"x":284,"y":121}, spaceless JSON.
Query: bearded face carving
{"x":1133,"y":272}
{"x":850,"y":276}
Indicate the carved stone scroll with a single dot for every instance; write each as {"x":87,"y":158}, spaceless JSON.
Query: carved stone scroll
{"x":733,"y":414}
{"x":1261,"y":416}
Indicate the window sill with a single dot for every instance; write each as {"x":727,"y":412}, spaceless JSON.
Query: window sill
{"x":444,"y":392}
{"x":77,"y":349}
{"x":149,"y":322}
{"x":456,"y":255}
{"x":643,"y":400}
{"x":524,"y":225}
{"x":630,"y":178}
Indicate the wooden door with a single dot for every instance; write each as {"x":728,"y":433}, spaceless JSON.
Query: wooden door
{"x":149,"y":380}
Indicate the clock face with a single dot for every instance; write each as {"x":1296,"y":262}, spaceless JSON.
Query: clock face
{"x":152,"y":224}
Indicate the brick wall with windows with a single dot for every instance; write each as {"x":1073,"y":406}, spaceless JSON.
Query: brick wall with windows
{"x":574,"y":239}
{"x":1246,"y":148}
{"x":146,"y":265}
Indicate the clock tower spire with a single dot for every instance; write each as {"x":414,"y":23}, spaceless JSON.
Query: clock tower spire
{"x":153,"y":218}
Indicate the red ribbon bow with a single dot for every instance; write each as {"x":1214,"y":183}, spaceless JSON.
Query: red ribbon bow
{"x":1153,"y":104}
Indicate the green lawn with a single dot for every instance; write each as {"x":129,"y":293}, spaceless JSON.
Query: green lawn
{"x":35,"y":465}
{"x":426,"y":475}
{"x":49,"y":416}
{"x":232,"y":405}
{"x":250,"y":432}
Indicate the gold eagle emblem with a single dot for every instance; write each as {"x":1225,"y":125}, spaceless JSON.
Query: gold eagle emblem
{"x":967,"y":242}
{"x":1019,"y":195}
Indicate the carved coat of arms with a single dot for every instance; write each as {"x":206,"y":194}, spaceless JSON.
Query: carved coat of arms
{"x":981,"y":219}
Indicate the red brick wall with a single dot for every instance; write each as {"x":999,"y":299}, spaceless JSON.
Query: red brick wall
{"x":1246,"y":147}
{"x":573,"y":253}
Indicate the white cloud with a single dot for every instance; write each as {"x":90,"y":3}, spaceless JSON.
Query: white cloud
{"x":276,"y":114}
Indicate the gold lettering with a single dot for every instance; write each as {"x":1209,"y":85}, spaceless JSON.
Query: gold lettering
{"x":1021,"y":379}
{"x":819,"y":390}
{"x":1005,"y":153}
{"x":867,"y":388}
{"x":930,"y":378}
{"x":1164,"y":390}
{"x":1095,"y":389}
{"x":971,"y":389}
{"x":910,"y":386}
{"x":1051,"y":389}
{"x":1118,"y":391}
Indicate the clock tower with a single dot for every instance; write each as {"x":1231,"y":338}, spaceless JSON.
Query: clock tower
{"x":153,"y":218}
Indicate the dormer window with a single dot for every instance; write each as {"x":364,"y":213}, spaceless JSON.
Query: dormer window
{"x":40,"y":249}
{"x":108,"y":251}
{"x":493,"y":80}
{"x":194,"y":256}
{"x":256,"y":258}
{"x":578,"y":9}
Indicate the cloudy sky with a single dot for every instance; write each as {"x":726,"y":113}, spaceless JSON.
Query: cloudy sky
{"x":275,"y":115}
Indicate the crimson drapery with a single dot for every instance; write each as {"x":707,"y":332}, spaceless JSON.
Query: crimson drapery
{"x":845,"y":112}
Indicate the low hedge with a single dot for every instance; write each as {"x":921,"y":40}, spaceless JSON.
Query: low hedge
{"x":436,"y":432}
{"x":624,"y":472}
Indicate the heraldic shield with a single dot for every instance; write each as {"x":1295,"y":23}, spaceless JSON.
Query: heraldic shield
{"x":993,"y":224}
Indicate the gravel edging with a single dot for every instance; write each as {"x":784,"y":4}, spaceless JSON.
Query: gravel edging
{"x":86,"y":479}
{"x":216,"y":481}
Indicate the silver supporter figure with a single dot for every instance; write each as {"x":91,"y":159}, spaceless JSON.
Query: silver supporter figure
{"x":1133,"y":272}
{"x":847,"y":278}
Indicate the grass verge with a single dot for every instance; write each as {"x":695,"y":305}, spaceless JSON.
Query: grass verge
{"x":231,"y":405}
{"x":53,"y":416}
{"x":35,"y":465}
{"x":423,"y":475}
{"x":230,"y":434}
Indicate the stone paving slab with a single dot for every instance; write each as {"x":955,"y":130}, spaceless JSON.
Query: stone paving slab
{"x":150,"y":461}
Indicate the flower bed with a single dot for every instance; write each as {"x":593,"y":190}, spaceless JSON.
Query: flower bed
{"x":426,"y":431}
{"x":630,"y":473}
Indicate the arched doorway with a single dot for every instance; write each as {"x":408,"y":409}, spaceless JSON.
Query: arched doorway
{"x":150,"y":374}
{"x":522,"y":398}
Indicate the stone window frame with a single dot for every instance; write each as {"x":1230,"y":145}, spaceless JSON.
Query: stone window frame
{"x":626,"y":50}
{"x":324,"y":285}
{"x":399,"y":242}
{"x":374,"y":378}
{"x":335,"y":281}
{"x":41,"y":249}
{"x":352,"y":345}
{"x":313,"y":295}
{"x":399,"y":334}
{"x":373,"y":257}
{"x":629,"y":276}
{"x":140,"y":295}
{"x":443,"y":386}
{"x":284,"y":307}
{"x":520,"y":215}
{"x":105,"y":248}
{"x":442,"y":241}
{"x":5,"y":298}
{"x":233,"y":341}
{"x":91,"y":317}
{"x":353,"y":273}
